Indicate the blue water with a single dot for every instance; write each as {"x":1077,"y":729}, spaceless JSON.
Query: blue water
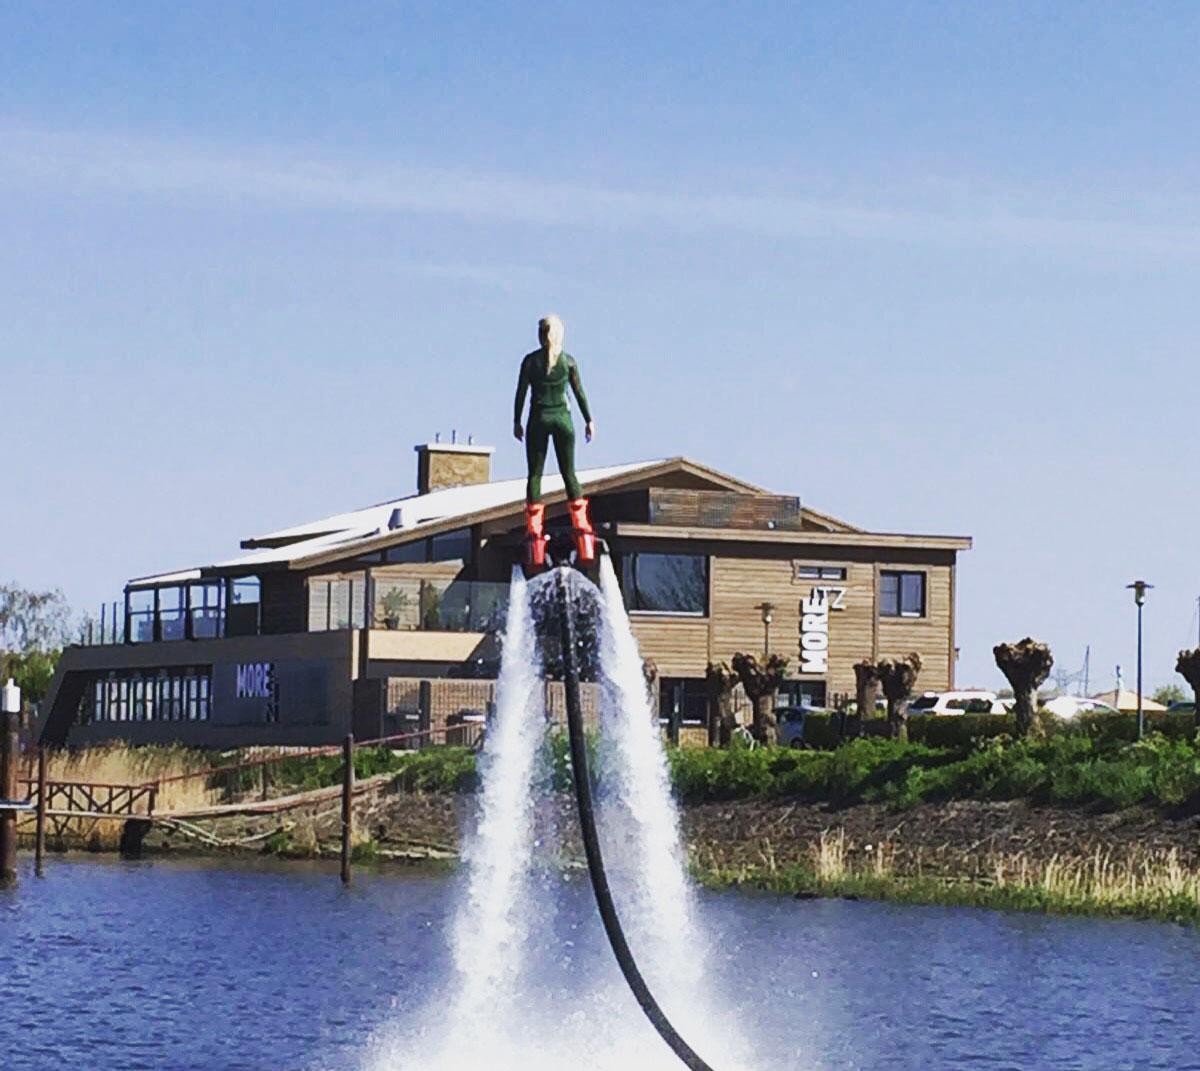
{"x":172,"y":966}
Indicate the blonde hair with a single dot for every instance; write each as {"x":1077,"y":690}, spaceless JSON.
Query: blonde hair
{"x":553,"y":327}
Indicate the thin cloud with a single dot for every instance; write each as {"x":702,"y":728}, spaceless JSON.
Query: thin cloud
{"x":293,"y":180}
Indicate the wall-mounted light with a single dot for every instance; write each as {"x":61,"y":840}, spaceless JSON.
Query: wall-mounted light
{"x":768,"y":611}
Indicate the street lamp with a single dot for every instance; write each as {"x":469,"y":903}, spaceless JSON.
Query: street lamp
{"x":767,"y":616}
{"x":1139,"y":589}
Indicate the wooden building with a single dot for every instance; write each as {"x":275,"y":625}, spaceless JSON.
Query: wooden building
{"x":386,"y":617}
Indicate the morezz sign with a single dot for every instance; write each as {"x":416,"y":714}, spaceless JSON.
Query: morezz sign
{"x":814,"y":627}
{"x":255,"y":680}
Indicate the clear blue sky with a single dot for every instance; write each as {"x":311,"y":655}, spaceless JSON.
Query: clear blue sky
{"x":931,"y":267}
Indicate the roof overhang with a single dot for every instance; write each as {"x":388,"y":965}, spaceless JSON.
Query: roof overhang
{"x":739,"y":535}
{"x":163,"y":579}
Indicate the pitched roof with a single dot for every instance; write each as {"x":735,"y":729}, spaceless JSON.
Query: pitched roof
{"x":395,"y":521}
{"x":351,"y":532}
{"x":413,"y":510}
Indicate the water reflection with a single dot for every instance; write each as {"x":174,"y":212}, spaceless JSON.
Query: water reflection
{"x":181,"y":965}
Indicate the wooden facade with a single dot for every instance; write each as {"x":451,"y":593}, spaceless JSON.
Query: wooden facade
{"x":739,"y":586}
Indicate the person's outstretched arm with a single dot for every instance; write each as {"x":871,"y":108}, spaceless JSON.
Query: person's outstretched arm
{"x":580,"y":397}
{"x":519,"y":401}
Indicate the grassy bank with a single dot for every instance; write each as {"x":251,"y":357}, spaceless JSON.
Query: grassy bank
{"x":1154,"y":886}
{"x":1083,"y":767}
{"x":1071,"y":769}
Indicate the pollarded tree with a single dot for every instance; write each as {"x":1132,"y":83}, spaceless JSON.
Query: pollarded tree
{"x":898,"y":677}
{"x":720,"y":682}
{"x":761,"y":681}
{"x":866,"y":688}
{"x":1026,"y":664}
{"x":650,"y":676}
{"x":1188,"y":667}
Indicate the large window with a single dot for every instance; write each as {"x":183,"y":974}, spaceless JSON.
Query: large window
{"x":141,"y":616}
{"x":172,"y":613}
{"x":801,"y":694}
{"x":206,"y":605}
{"x":665,"y":583}
{"x":197,"y":610}
{"x":242,"y":613}
{"x":175,"y":694}
{"x":683,"y":700}
{"x":448,"y":547}
{"x":901,"y":594}
{"x":335,"y":603}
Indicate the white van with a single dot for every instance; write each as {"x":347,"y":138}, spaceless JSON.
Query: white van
{"x":971,"y":701}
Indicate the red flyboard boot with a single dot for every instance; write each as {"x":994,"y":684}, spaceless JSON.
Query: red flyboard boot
{"x":585,"y":535}
{"x":535,"y":535}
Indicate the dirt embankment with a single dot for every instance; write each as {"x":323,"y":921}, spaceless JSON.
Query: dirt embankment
{"x":961,"y":838}
{"x":957,"y":839}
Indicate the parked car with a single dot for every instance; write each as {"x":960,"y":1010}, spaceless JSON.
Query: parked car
{"x":789,"y":724}
{"x":1183,"y":706}
{"x":970,"y":701}
{"x":1071,"y":706}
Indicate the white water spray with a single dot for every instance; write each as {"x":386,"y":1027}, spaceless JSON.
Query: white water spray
{"x":640,"y":827}
{"x":492,"y":921}
{"x":497,"y":1010}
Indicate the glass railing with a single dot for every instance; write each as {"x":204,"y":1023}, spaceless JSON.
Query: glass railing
{"x":146,"y":625}
{"x":411,"y":604}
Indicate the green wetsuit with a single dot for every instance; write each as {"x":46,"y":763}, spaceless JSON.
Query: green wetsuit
{"x":549,"y":418}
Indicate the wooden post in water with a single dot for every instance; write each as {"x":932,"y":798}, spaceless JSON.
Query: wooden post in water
{"x":9,"y":747}
{"x":39,"y":843}
{"x":347,"y":804}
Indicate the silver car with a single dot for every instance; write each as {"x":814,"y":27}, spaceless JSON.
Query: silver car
{"x":789,"y":724}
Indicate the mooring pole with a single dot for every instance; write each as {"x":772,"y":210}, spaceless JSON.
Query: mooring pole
{"x":9,"y":746}
{"x":347,"y":804}
{"x":591,"y":839}
{"x":39,"y":842}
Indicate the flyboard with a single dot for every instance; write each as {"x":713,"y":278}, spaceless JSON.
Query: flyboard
{"x":579,"y":549}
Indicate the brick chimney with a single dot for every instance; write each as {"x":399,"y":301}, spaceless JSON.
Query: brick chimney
{"x":452,"y":464}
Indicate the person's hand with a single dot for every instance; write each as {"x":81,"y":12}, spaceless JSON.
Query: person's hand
{"x":518,"y":431}
{"x":589,"y":430}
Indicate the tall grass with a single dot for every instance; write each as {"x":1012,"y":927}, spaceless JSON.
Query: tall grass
{"x":1148,"y":884}
{"x":122,"y":764}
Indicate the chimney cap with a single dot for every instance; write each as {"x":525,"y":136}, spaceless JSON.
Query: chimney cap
{"x":454,"y":448}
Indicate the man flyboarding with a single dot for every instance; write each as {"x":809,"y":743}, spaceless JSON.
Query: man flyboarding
{"x":545,"y":375}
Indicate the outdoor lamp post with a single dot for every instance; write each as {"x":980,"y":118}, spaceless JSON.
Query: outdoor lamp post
{"x":1139,"y":589}
{"x":767,"y":616}
{"x":10,"y":713}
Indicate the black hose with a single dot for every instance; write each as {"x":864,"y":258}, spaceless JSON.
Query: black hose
{"x":591,"y":841}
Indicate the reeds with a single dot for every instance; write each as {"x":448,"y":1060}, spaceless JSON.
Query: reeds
{"x":120,"y":764}
{"x":1155,"y":884}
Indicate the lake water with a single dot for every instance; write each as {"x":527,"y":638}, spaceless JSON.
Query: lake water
{"x":171,"y":966}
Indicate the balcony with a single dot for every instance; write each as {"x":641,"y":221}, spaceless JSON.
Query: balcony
{"x":408,"y":604}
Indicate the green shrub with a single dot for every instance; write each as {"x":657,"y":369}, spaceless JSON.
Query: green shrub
{"x":721,"y":773}
{"x":438,"y":769}
{"x":1064,"y":768}
{"x":958,"y":730}
{"x":822,"y":731}
{"x":1122,"y":728}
